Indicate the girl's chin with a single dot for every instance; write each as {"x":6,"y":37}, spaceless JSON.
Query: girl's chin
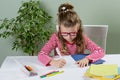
{"x":70,"y":41}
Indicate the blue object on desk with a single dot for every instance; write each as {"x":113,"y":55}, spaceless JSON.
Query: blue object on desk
{"x":77,"y":57}
{"x":118,"y":70}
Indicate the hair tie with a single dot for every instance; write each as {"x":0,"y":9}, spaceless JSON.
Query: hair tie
{"x":63,"y":8}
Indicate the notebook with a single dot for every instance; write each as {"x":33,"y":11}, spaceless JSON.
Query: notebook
{"x":77,"y":57}
{"x":104,"y":69}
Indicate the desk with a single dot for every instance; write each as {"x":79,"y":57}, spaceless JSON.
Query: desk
{"x":71,"y":71}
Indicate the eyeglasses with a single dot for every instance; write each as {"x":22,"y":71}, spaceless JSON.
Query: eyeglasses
{"x":68,"y":33}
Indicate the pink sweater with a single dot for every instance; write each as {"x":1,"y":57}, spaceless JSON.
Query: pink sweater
{"x":96,"y":52}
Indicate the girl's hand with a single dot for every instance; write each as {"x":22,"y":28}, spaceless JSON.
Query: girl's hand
{"x":84,"y":62}
{"x":58,"y":63}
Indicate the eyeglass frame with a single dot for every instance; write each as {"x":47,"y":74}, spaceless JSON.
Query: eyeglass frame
{"x":68,"y":33}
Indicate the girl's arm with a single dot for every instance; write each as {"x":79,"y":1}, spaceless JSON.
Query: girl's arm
{"x":96,"y":51}
{"x":43,"y":55}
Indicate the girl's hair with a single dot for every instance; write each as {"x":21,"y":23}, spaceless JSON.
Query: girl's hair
{"x":69,"y":18}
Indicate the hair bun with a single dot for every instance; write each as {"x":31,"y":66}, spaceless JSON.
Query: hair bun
{"x":65,"y":7}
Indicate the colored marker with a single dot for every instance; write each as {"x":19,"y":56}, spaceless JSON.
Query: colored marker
{"x":55,"y":73}
{"x":45,"y":75}
{"x":32,"y":73}
{"x":51,"y":74}
{"x":28,"y":68}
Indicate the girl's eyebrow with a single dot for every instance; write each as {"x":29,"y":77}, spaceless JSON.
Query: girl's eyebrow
{"x":69,"y":32}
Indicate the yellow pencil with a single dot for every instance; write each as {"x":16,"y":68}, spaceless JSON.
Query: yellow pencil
{"x":55,"y":73}
{"x":116,"y":77}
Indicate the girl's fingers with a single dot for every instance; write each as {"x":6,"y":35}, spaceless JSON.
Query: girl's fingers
{"x":82,"y":64}
{"x":86,"y":64}
{"x":77,"y":62}
{"x":61,"y":63}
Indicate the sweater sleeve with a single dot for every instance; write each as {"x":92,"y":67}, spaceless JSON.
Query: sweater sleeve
{"x":96,"y":51}
{"x":43,"y":55}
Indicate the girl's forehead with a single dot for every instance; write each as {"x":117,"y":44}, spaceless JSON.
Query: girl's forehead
{"x":68,"y":28}
{"x":72,"y":28}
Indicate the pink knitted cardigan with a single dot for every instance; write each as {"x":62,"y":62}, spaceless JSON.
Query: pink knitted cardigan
{"x":96,"y":52}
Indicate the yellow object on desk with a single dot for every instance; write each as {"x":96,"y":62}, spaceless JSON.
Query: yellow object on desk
{"x":100,"y":72}
{"x":117,"y":77}
{"x":104,"y":69}
{"x":52,"y":74}
{"x":104,"y":78}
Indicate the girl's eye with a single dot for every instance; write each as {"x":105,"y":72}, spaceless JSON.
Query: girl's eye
{"x":64,"y":34}
{"x":69,"y":33}
{"x":73,"y":33}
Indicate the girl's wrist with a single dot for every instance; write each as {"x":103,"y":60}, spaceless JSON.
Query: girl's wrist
{"x":52,"y":62}
{"x":87,"y":59}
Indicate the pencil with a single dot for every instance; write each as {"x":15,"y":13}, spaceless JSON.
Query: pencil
{"x":55,"y":73}
{"x":45,"y":75}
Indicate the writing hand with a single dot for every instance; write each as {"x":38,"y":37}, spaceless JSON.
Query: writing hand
{"x":58,"y":63}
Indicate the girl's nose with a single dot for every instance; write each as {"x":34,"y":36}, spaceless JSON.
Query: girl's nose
{"x":69,"y":37}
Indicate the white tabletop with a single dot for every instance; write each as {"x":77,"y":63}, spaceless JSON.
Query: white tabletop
{"x":71,"y":70}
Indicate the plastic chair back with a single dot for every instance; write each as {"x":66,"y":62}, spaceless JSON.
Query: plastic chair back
{"x":97,"y":33}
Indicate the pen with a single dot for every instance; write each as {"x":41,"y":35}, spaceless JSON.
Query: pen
{"x":45,"y":75}
{"x":55,"y":73}
{"x":26,"y":68}
{"x":51,"y":74}
{"x":58,"y":52}
{"x":29,"y":68}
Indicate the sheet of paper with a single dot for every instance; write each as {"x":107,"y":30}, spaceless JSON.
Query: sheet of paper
{"x":104,"y":69}
{"x":70,"y":62}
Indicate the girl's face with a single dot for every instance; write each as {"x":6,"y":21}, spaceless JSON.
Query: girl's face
{"x":69,"y":33}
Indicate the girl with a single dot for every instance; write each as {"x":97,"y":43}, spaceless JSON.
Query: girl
{"x":70,"y":40}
